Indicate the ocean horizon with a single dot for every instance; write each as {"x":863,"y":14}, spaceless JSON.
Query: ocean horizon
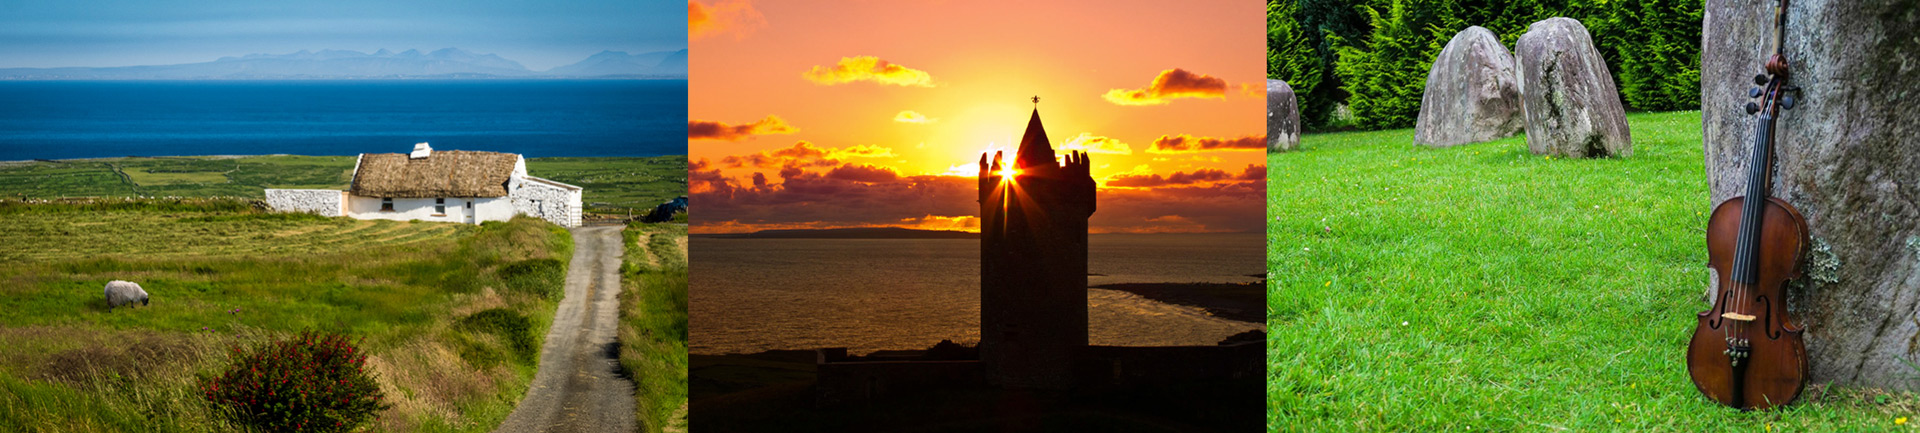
{"x":755,"y":295}
{"x":536,"y":118}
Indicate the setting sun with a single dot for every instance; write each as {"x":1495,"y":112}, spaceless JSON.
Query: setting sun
{"x":869,"y":131}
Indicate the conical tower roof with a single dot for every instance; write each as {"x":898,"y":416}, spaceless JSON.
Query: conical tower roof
{"x":1035,"y":149}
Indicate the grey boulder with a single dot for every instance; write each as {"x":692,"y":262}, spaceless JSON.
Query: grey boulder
{"x":1847,"y":155}
{"x":1572,"y":107}
{"x":1472,"y":95}
{"x":124,"y":293}
{"x":1283,"y":117}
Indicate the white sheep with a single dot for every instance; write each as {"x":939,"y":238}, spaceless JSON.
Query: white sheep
{"x":124,"y":293}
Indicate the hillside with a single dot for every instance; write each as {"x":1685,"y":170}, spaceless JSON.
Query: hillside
{"x":222,"y":274}
{"x":612,"y":184}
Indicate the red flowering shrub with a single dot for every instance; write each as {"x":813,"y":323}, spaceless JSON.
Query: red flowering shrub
{"x":316,"y":382}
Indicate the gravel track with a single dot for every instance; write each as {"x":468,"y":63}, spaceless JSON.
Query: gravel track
{"x":578,"y":387}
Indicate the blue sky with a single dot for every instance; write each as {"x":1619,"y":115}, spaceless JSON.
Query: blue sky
{"x":540,"y":34}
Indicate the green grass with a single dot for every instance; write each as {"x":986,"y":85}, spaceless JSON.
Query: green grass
{"x":446,"y":331}
{"x":613,"y":185}
{"x":1481,"y":287}
{"x":653,"y":324}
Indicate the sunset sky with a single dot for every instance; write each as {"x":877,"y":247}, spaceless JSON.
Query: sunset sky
{"x":871,"y":113}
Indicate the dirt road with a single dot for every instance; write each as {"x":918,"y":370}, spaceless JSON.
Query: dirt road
{"x":577,"y":388}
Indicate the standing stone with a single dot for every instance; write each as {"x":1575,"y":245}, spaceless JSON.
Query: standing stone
{"x":1572,"y":108}
{"x":1472,"y":94}
{"x":1847,"y":156}
{"x":1283,"y":117}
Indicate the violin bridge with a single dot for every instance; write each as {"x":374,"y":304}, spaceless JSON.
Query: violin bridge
{"x":1739,"y":317}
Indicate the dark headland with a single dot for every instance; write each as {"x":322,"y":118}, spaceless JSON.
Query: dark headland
{"x":847,"y":233}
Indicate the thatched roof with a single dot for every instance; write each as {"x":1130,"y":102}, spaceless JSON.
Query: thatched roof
{"x":447,"y":173}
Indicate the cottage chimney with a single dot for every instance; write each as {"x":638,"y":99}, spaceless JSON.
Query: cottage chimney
{"x":420,"y":150}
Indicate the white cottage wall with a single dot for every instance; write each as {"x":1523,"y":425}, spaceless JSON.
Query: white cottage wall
{"x":493,"y":208}
{"x":406,"y":209}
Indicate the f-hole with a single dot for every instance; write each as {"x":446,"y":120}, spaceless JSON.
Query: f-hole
{"x":1772,"y":328}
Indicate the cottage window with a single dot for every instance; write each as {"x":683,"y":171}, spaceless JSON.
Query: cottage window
{"x":439,"y":206}
{"x":386,"y":204}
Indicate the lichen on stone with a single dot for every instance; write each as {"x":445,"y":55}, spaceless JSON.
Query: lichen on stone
{"x":1822,"y":265}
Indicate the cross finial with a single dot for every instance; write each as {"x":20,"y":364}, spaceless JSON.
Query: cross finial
{"x":1036,"y":101}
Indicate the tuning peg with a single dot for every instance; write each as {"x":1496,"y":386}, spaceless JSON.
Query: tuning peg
{"x":1753,"y":108}
{"x":1753,"y":92}
{"x":1760,"y":80}
{"x":1786,"y":102}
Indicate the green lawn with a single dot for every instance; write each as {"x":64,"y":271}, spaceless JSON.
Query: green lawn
{"x":653,"y":324}
{"x":1480,"y":287}
{"x":612,"y":184}
{"x":221,"y":273}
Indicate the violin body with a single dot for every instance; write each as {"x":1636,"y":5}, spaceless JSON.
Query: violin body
{"x":1774,"y":369}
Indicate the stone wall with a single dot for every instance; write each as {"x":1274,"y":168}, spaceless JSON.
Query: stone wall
{"x":839,"y":381}
{"x":324,"y":202}
{"x":548,"y":200}
{"x":1123,"y":366}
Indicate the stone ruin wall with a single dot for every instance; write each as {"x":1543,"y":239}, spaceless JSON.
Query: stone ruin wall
{"x":556,"y":204}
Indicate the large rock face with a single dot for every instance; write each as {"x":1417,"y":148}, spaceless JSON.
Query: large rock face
{"x":1283,"y":117}
{"x":1848,"y":157}
{"x":1572,"y":108}
{"x":1472,"y":93}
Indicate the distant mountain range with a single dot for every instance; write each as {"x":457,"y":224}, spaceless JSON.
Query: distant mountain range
{"x":340,"y":64}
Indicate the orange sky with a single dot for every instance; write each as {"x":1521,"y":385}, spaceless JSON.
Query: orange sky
{"x":895,"y":101}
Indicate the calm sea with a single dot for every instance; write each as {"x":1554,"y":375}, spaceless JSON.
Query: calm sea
{"x":752,"y":295}
{"x":92,"y":119}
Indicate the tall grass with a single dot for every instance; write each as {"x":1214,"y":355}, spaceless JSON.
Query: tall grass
{"x":653,"y":324}
{"x":1480,"y":287}
{"x":226,"y":277}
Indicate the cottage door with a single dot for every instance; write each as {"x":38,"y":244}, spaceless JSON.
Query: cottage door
{"x":473,"y":217}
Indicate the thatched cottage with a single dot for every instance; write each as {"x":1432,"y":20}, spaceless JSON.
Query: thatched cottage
{"x":450,"y":186}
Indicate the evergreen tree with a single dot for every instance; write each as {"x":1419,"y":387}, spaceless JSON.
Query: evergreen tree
{"x":1289,"y":57}
{"x":1387,"y":79}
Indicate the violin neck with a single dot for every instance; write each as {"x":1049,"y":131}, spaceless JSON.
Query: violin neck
{"x":1759,"y":178}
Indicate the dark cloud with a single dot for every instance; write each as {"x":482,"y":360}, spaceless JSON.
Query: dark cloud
{"x":814,"y":195}
{"x":863,"y":173}
{"x":1169,"y":85}
{"x":1184,"y":143}
{"x":711,"y":130}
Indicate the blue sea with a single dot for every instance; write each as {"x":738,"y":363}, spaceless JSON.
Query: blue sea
{"x":536,"y":118}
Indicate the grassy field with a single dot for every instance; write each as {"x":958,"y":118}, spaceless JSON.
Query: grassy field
{"x":1480,"y":287}
{"x":653,"y":324}
{"x":222,"y":274}
{"x":612,"y":184}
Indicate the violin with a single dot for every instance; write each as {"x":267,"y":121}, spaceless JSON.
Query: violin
{"x":1746,"y":351}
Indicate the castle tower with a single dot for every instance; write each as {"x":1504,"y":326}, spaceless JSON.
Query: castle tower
{"x":1033,"y":263}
